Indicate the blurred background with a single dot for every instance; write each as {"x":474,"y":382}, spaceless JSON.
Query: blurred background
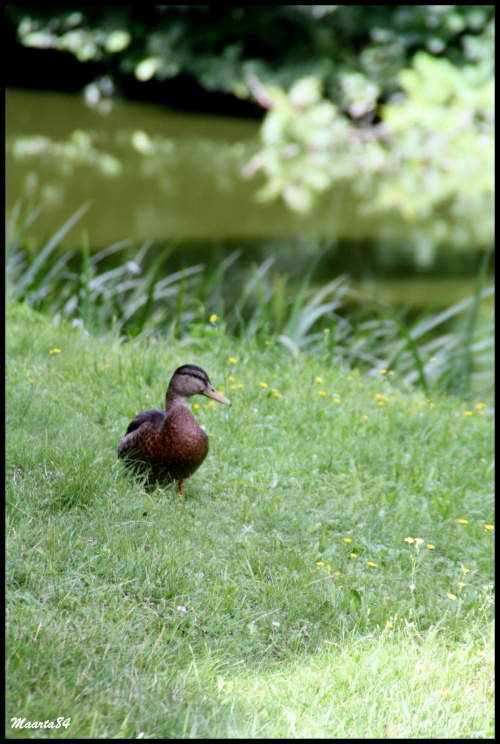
{"x":318,"y":175}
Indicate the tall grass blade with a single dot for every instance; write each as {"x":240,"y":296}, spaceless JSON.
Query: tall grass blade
{"x":13,"y":238}
{"x":250,"y":285}
{"x":47,"y":283}
{"x":290,"y":329}
{"x":146,"y":305}
{"x":179,"y":306}
{"x":11,"y":226}
{"x":29,"y":276}
{"x":97,"y":257}
{"x":465,"y":360}
{"x":214,"y":277}
{"x":451,"y":312}
{"x":84,"y":284}
{"x":290,"y":345}
{"x":412,"y":347}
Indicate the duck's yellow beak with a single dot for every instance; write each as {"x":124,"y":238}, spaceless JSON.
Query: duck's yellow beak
{"x":211,"y":392}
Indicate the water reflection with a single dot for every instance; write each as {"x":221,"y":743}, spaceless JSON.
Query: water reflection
{"x":152,"y":174}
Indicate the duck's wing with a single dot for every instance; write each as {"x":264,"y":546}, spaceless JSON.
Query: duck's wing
{"x":139,"y":432}
{"x":155,"y":417}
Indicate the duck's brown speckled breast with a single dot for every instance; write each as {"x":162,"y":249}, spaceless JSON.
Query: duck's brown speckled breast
{"x":183,"y":444}
{"x":174,"y":449}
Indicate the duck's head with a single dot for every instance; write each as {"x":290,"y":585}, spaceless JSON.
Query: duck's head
{"x":192,"y":380}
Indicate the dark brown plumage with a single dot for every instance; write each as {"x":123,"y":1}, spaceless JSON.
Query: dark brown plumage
{"x":169,"y":445}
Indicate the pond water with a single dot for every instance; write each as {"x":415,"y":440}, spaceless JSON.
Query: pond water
{"x":159,"y":175}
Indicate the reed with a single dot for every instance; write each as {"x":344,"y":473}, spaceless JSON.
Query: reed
{"x":333,"y":322}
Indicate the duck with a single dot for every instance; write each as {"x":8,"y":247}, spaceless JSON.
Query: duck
{"x":170,"y":445}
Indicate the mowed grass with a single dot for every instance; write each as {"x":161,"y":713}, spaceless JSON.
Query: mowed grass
{"x":280,"y":598}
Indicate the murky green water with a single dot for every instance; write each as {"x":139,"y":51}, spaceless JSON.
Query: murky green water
{"x":153,"y":174}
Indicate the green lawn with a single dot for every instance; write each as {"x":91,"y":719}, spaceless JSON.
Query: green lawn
{"x":280,"y":598}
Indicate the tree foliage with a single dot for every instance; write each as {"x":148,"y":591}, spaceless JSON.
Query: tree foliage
{"x":430,"y":158}
{"x":220,"y":45}
{"x":396,"y":99}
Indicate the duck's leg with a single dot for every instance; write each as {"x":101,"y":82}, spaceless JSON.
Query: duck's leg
{"x":181,"y":487}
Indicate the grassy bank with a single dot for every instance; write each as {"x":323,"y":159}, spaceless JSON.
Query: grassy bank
{"x":284,"y":597}
{"x":107,"y":290}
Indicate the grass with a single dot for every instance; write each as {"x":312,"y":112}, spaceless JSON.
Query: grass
{"x":134,"y":300}
{"x":241,"y":612}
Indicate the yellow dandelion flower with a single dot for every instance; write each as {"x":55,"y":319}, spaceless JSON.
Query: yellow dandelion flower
{"x":432,"y":359}
{"x":267,"y":342}
{"x":240,"y":386}
{"x":232,"y":360}
{"x":450,"y":595}
{"x":487,"y":527}
{"x":213,"y":318}
{"x":337,"y":573}
{"x":221,"y":392}
{"x":391,"y":372}
{"x":31,"y":381}
{"x":431,"y":546}
{"x":445,"y":693}
{"x":319,"y":564}
{"x":54,"y":351}
{"x":326,"y":330}
{"x":463,"y":521}
{"x":381,"y":404}
{"x":480,"y":406}
{"x":328,"y":568}
{"x":418,"y":541}
{"x":467,"y":413}
{"x":318,"y":379}
{"x":409,"y":539}
{"x":196,"y":406}
{"x":322,"y":393}
{"x":231,"y":378}
{"x":108,"y":550}
{"x":234,"y":387}
{"x":378,"y":396}
{"x":354,"y":555}
{"x":383,"y":371}
{"x":461,"y":584}
{"x":464,"y":570}
{"x":432,"y":405}
{"x":274,"y":377}
{"x":336,"y":400}
{"x":453,"y":436}
{"x":263,"y":384}
{"x":210,"y":435}
{"x":276,"y":394}
{"x":348,"y":539}
{"x":349,"y":378}
{"x":365,"y":417}
{"x":372,"y":564}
